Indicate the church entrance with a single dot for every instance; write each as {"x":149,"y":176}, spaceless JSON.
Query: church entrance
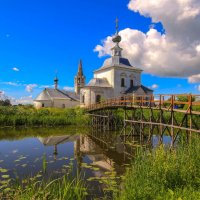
{"x":98,"y":98}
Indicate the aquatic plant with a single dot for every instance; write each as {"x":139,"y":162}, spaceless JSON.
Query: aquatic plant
{"x":51,"y":189}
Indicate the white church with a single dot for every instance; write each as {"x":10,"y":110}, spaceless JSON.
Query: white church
{"x":114,"y":79}
{"x":117,"y":77}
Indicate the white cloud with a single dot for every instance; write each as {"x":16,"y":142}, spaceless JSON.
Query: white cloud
{"x":198,"y":88}
{"x":67,"y":88}
{"x":174,"y":53}
{"x":12,"y":83}
{"x":15,"y":69}
{"x":46,"y":86}
{"x":30,"y":87}
{"x":23,"y":100}
{"x":2,"y":93}
{"x":154,"y":86}
{"x":194,"y":79}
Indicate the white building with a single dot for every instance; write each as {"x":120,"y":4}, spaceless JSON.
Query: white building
{"x":54,"y":97}
{"x":114,"y":79}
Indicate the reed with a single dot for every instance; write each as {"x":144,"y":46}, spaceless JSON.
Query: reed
{"x":164,"y":174}
{"x":29,"y":116}
{"x":55,"y":188}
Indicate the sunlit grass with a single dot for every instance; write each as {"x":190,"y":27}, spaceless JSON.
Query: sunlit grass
{"x":55,"y":188}
{"x":164,"y":174}
{"x":29,"y":116}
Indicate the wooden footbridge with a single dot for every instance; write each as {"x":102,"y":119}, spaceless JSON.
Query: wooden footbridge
{"x":147,"y":115}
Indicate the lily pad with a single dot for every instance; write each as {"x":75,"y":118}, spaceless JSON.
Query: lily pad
{"x":5,"y":176}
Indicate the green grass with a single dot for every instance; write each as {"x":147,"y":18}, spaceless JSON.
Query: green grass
{"x":164,"y":174}
{"x":55,"y":188}
{"x":29,"y":116}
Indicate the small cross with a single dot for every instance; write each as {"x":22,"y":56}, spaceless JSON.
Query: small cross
{"x":117,"y":24}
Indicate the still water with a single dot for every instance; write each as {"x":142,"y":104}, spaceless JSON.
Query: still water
{"x":95,"y":155}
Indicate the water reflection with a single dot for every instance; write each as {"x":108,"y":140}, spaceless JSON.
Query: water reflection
{"x":93,"y":154}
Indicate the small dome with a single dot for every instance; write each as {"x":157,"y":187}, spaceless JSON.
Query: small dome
{"x":117,"y":38}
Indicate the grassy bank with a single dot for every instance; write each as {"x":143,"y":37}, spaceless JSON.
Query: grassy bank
{"x":164,"y":174}
{"x":29,"y":116}
{"x":34,"y":188}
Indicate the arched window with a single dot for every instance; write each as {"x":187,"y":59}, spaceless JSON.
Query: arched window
{"x":63,"y":106}
{"x":131,"y":83}
{"x":83,"y":98}
{"x":98,"y":98}
{"x":122,"y":82}
{"x":43,"y":105}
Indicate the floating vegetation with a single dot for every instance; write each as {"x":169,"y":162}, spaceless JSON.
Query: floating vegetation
{"x":3,"y":170}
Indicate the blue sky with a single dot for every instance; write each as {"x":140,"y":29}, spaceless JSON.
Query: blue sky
{"x":40,"y":37}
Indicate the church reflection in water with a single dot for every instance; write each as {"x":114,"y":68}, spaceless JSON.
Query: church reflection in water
{"x":106,"y":151}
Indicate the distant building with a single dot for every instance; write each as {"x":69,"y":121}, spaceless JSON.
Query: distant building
{"x":114,"y":79}
{"x":54,"y":97}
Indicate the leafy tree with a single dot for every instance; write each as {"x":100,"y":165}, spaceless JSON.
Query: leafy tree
{"x":5,"y":102}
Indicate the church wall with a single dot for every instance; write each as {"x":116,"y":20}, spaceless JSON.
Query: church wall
{"x":90,"y":94}
{"x":58,"y":103}
{"x":108,"y":74}
{"x":46,"y":104}
{"x":65,"y":103}
{"x":128,"y":75}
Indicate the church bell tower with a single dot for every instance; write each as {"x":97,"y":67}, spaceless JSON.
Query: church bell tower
{"x":79,"y":80}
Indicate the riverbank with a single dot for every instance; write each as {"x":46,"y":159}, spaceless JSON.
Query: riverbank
{"x":164,"y":174}
{"x":29,"y":116}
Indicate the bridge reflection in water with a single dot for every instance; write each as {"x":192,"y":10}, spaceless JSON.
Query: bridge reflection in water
{"x":145,"y":115}
{"x":109,"y":153}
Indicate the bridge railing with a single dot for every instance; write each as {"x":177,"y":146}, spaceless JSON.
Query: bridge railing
{"x":179,"y":102}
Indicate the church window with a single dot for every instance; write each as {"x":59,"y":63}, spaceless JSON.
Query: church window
{"x":98,"y":98}
{"x":78,"y":80}
{"x":122,"y":82}
{"x":43,"y":105}
{"x":131,"y":83}
{"x":63,"y":106}
{"x":83,"y":99}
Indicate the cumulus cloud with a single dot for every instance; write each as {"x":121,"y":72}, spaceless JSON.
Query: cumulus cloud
{"x":173,"y":53}
{"x":15,"y":69}
{"x":30,"y":87}
{"x":194,"y":79}
{"x":154,"y":86}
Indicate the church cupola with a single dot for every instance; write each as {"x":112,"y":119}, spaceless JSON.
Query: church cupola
{"x":79,"y":80}
{"x":117,"y":50}
{"x":56,"y":83}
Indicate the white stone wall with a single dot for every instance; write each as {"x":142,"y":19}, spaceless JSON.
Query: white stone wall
{"x":57,"y":103}
{"x":67,"y":103}
{"x":39,"y":104}
{"x":107,"y":73}
{"x":128,"y":75}
{"x":90,"y":94}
